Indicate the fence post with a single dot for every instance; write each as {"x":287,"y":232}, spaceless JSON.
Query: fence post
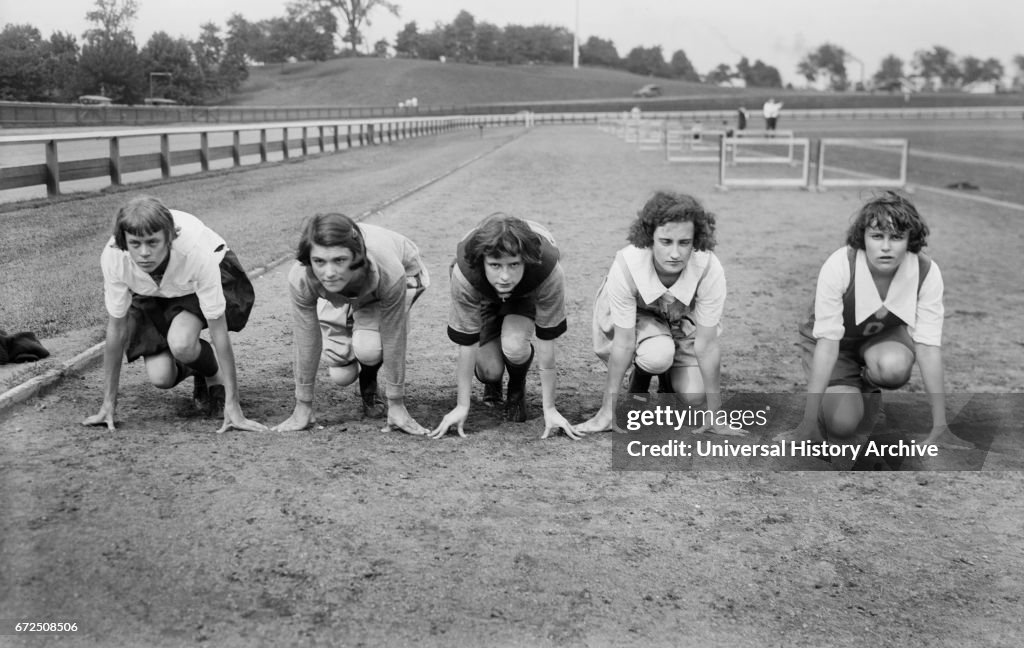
{"x":263,"y":145}
{"x":165,"y":155}
{"x":52,"y":170}
{"x":115,"y":161}
{"x":204,"y":151}
{"x":236,"y":148}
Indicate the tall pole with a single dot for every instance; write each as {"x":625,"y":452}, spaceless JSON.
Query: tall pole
{"x":576,"y":39}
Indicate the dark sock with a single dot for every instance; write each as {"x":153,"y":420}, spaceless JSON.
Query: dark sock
{"x":665,"y":383}
{"x":515,"y":402}
{"x":517,"y":373}
{"x":206,"y":363}
{"x":182,"y":370}
{"x":640,"y":381}
{"x":368,"y":378}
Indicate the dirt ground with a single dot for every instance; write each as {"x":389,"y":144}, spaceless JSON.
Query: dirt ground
{"x":165,"y":534}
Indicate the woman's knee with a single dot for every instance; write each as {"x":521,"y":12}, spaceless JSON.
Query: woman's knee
{"x":841,"y":413}
{"x":490,"y":365}
{"x":162,"y":371}
{"x":688,"y":385}
{"x":516,"y":332}
{"x":343,"y":375}
{"x":367,"y":347}
{"x":183,"y":346}
{"x":654,"y":355}
{"x":889,"y":368}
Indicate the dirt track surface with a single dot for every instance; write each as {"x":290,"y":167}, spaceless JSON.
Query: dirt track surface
{"x":164,"y":534}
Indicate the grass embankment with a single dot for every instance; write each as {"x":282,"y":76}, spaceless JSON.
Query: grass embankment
{"x":385,"y":82}
{"x":362,"y":82}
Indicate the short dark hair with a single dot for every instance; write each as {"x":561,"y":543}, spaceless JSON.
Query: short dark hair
{"x":501,"y":235}
{"x":891,"y":212}
{"x":143,"y":216}
{"x":332,"y":230}
{"x":671,"y":207}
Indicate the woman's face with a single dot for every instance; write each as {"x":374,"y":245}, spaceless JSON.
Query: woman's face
{"x":504,"y":273}
{"x":148,"y":251}
{"x":672,"y":247}
{"x":332,"y":266}
{"x":885,"y":250}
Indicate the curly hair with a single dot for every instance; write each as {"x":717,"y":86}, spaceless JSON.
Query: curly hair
{"x":893,"y":213}
{"x":143,"y":216}
{"x":670,"y":207}
{"x":501,"y":235}
{"x":332,"y":230}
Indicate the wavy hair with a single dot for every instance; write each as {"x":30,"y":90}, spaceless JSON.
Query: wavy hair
{"x":501,"y":235}
{"x":893,"y":213}
{"x":671,"y":207}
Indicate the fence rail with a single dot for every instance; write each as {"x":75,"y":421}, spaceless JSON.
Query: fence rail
{"x":49,"y":114}
{"x":50,"y":159}
{"x":303,"y":134}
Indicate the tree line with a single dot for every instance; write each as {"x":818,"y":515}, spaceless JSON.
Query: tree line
{"x":217,"y":62}
{"x":933,"y":68}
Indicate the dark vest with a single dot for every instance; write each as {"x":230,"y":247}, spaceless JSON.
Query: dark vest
{"x":854,"y":334}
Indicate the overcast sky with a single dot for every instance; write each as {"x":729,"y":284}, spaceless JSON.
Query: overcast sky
{"x":779,"y":32}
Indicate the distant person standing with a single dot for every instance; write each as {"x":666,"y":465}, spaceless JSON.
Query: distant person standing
{"x":771,"y":110}
{"x":741,"y":118}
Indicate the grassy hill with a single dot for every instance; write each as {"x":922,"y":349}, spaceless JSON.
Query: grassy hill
{"x":385,"y":82}
{"x":371,"y":82}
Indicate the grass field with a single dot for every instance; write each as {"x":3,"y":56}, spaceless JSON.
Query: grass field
{"x":385,"y":82}
{"x":164,"y":534}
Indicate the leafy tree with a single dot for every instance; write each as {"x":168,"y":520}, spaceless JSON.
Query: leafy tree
{"x":648,"y":61}
{"x":829,"y":60}
{"x":407,"y":41}
{"x":62,"y":67}
{"x":380,"y":48}
{"x":113,"y":68}
{"x":597,"y":51}
{"x":974,"y":69}
{"x":233,"y":69}
{"x":938,"y":63}
{"x":356,"y":13}
{"x":174,"y":56}
{"x":461,"y":37}
{"x":245,"y":37}
{"x":113,"y":19}
{"x":758,"y":75}
{"x":431,"y":43}
{"x":208,"y":50}
{"x":22,"y":64}
{"x":488,"y":42}
{"x":721,"y":74}
{"x":110,"y":61}
{"x":515,"y":43}
{"x":682,"y":68}
{"x":890,"y":74}
{"x":1018,"y":78}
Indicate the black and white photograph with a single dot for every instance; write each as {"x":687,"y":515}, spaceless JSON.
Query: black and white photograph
{"x":551,"y":323}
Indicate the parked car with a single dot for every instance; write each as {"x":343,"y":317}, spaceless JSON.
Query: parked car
{"x":649,"y":90}
{"x":94,"y":100}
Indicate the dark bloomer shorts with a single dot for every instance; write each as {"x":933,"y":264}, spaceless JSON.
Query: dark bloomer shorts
{"x":149,"y":318}
{"x":849,"y":368}
{"x":492,"y":314}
